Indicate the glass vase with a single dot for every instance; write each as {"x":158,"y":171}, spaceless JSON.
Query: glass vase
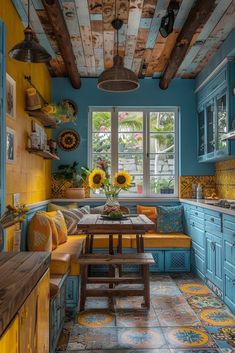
{"x":111,"y":204}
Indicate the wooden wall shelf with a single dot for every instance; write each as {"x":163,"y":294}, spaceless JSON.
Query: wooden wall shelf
{"x":44,"y":154}
{"x":45,"y":120}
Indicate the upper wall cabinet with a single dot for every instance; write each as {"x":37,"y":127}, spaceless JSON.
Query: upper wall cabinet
{"x":216,"y":111}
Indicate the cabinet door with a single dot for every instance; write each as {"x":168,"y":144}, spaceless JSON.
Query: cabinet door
{"x":209,"y":256}
{"x":221,"y":121}
{"x":28,"y":325}
{"x":210,"y":127}
{"x":9,"y":342}
{"x":43,"y":298}
{"x":201,"y":133}
{"x":218,"y":260}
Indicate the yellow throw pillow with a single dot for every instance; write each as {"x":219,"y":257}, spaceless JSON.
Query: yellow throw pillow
{"x":54,"y":207}
{"x":55,"y":240}
{"x":150,"y":212}
{"x":39,"y":235}
{"x":61,"y":227}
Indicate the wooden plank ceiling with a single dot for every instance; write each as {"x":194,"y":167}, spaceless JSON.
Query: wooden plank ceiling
{"x":93,"y":38}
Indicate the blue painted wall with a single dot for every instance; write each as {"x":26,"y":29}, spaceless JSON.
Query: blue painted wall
{"x":180,"y":93}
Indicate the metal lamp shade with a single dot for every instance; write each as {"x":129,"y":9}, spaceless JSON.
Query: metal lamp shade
{"x":118,"y":78}
{"x":167,"y":24}
{"x":29,"y":50}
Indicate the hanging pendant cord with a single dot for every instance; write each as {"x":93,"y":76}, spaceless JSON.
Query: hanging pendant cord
{"x":28,"y":13}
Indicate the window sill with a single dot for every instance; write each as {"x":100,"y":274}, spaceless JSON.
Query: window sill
{"x":121,"y":199}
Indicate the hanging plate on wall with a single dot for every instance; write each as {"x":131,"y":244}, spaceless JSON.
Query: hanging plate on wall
{"x":69,"y":140}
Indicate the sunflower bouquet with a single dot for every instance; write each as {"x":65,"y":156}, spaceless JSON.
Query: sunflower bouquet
{"x":98,"y":179}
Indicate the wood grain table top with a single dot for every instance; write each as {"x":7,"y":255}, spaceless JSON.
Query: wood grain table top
{"x":20,"y":273}
{"x":95,"y":224}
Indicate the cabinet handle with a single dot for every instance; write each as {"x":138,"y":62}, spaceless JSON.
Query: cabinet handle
{"x":213,"y":246}
{"x":234,"y":282}
{"x":233,"y":245}
{"x":196,"y":213}
{"x":212,"y":219}
{"x":193,"y":224}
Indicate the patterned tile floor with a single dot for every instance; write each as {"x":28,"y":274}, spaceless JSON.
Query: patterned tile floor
{"x":185,"y":317}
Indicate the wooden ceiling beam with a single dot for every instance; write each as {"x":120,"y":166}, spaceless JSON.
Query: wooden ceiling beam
{"x":197,"y":17}
{"x":56,"y":17}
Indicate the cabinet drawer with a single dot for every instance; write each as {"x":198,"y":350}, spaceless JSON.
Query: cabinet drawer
{"x":213,"y":217}
{"x":197,"y":235}
{"x":197,"y":212}
{"x":229,"y":225}
{"x":196,"y":223}
{"x":213,"y":228}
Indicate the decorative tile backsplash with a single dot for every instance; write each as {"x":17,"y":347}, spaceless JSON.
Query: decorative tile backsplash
{"x":186,"y":185}
{"x":225,"y":179}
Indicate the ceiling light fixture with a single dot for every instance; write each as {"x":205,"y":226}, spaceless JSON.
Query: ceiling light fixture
{"x":29,"y":50}
{"x":167,"y":22}
{"x":118,"y":78}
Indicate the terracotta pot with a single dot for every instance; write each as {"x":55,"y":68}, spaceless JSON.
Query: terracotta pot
{"x":75,"y":193}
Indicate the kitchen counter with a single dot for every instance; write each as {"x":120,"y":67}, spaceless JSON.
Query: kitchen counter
{"x":206,"y":204}
{"x":20,"y":273}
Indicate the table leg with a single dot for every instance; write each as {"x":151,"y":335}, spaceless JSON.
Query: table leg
{"x":146,"y":286}
{"x":141,"y":243}
{"x":91,"y":243}
{"x":119,"y":250}
{"x":83,"y":287}
{"x":87,"y":248}
{"x":138,"y":243}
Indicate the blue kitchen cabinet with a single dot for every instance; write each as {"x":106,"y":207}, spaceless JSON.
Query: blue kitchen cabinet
{"x":229,"y":260}
{"x":216,"y":109}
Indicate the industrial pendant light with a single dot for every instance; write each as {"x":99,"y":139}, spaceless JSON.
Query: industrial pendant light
{"x":167,"y":22}
{"x":118,"y":78}
{"x":29,"y":50}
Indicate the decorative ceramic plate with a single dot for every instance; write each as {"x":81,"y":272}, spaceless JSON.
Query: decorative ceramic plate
{"x":69,"y":140}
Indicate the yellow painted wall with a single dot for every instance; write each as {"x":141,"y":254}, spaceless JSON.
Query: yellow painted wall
{"x":30,"y":175}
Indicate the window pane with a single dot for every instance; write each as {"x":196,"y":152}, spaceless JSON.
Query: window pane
{"x":136,"y":188}
{"x":161,"y":143}
{"x":162,"y":163}
{"x":130,"y":142}
{"x":162,"y":184}
{"x":101,"y":121}
{"x":98,"y":159}
{"x":130,"y":121}
{"x":101,"y":142}
{"x":133,"y":163}
{"x":162,"y":121}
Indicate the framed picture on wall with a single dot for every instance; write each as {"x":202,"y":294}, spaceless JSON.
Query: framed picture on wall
{"x":10,"y":145}
{"x":10,"y":97}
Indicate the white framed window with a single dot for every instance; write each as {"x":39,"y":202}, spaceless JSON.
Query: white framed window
{"x":143,"y":141}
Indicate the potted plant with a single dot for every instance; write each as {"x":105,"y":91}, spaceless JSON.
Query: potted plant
{"x":75,"y":176}
{"x":166,"y":186}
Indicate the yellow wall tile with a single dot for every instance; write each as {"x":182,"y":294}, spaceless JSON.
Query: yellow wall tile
{"x":30,"y":173}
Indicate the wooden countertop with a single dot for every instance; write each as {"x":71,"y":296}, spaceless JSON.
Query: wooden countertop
{"x":19,"y":274}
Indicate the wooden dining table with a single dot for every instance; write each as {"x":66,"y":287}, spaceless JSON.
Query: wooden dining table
{"x":94,"y":224}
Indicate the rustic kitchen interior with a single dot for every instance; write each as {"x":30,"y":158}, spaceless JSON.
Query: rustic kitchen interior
{"x":117,"y":176}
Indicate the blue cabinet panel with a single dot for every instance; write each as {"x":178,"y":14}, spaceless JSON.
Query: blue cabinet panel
{"x":197,"y":233}
{"x":198,"y":260}
{"x":72,"y":291}
{"x":158,"y":256}
{"x":229,"y":252}
{"x":229,"y":289}
{"x":209,"y":257}
{"x":177,"y":260}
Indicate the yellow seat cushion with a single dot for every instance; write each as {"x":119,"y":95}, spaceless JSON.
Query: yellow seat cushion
{"x":102,"y":241}
{"x":156,"y":241}
{"x":74,"y":247}
{"x":60,"y":263}
{"x":39,"y":235}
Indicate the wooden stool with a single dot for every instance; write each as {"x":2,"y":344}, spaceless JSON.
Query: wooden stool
{"x":144,"y":260}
